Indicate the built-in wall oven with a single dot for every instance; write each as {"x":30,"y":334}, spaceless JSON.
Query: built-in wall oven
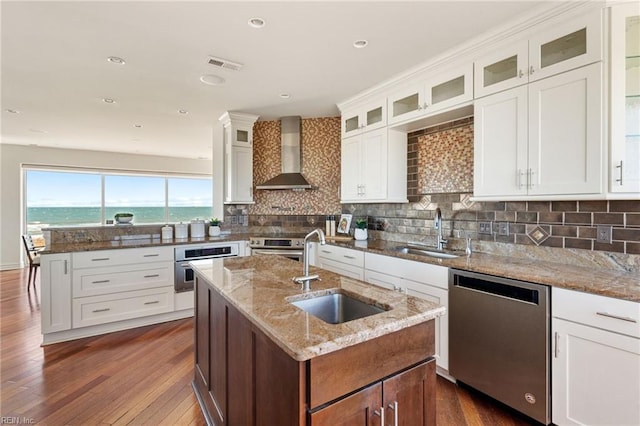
{"x":290,"y":247}
{"x":184,"y":276}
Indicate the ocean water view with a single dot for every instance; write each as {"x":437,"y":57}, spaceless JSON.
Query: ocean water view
{"x":43,"y":217}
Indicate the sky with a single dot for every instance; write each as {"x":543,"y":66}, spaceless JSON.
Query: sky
{"x":73,"y":189}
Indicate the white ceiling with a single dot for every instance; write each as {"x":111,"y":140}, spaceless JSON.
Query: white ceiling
{"x":55,"y":70}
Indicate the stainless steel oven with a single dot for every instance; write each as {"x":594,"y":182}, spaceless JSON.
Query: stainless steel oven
{"x":290,"y":247}
{"x":184,"y":276}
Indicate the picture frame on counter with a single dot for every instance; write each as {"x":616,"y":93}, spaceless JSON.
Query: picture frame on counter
{"x":344,"y":224}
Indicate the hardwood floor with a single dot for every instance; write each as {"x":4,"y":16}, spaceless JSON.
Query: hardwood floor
{"x":137,"y":377}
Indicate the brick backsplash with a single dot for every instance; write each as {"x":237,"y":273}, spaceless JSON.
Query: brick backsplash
{"x":563,"y":224}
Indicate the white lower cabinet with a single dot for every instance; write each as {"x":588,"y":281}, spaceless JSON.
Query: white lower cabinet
{"x":121,"y":306}
{"x":340,"y":260}
{"x":423,"y":280}
{"x":56,"y":292}
{"x":595,"y":360}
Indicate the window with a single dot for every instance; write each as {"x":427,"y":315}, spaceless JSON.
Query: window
{"x":144,"y":196}
{"x":189,"y":198}
{"x":80,"y":198}
{"x":62,"y":199}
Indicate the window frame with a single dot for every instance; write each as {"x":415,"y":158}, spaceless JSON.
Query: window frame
{"x":25,"y":168}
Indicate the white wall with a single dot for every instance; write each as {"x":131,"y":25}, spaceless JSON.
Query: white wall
{"x":12,"y":157}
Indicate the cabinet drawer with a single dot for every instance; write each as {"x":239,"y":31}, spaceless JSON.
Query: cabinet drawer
{"x":417,"y":271}
{"x":121,"y":306}
{"x":620,"y":316}
{"x":90,"y":259}
{"x":341,"y":254}
{"x":355,"y":272}
{"x":95,"y":281}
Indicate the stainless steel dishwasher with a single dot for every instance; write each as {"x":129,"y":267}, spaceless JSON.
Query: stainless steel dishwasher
{"x":499,"y":340}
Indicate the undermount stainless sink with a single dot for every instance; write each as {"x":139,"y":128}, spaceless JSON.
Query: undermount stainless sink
{"x":420,"y":251}
{"x":337,"y":308}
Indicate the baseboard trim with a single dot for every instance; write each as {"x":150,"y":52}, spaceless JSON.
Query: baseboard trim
{"x":96,"y":330}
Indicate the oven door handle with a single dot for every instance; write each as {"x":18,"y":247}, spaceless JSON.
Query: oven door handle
{"x":280,"y":252}
{"x":184,"y":265}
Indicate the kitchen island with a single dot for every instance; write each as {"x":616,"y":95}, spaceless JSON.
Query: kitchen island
{"x":260,"y":359}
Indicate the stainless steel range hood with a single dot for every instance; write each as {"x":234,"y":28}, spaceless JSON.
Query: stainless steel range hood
{"x":291,"y":157}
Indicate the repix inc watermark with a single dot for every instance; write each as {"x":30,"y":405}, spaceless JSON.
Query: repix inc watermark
{"x":17,"y":420}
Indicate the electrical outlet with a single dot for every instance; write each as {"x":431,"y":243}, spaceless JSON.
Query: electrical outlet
{"x":484,"y":228}
{"x":503,"y":228}
{"x":603,"y":234}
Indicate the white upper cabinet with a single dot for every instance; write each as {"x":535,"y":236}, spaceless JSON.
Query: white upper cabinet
{"x":565,"y":133}
{"x":541,"y":139}
{"x":238,"y":157}
{"x":436,"y":93}
{"x":624,"y":167}
{"x":504,"y":68}
{"x":374,"y":167}
{"x":566,"y":45}
{"x":368,"y":117}
{"x":555,"y":49}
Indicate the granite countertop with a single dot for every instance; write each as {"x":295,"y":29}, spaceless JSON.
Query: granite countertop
{"x":137,"y":242}
{"x":606,"y":282}
{"x":260,"y":287}
{"x":585,"y":275}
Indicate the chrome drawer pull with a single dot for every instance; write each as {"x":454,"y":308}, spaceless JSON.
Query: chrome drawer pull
{"x":326,"y":251}
{"x":99,"y":259}
{"x":101,"y":310}
{"x":608,"y":315}
{"x":394,"y":407}
{"x":151,"y":255}
{"x":349,"y":257}
{"x":381,"y":414}
{"x":100,"y":281}
{"x":152,"y":303}
{"x":152,"y":276}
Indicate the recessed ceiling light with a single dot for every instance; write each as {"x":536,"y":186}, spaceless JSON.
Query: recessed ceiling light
{"x":116,"y":60}
{"x":12,"y":111}
{"x":257,"y":22}
{"x":285,"y":95}
{"x":183,"y":111}
{"x":359,"y":44}
{"x":212,"y":80}
{"x":108,"y":101}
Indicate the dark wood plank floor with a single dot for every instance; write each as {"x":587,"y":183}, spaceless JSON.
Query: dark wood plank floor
{"x":137,"y":377}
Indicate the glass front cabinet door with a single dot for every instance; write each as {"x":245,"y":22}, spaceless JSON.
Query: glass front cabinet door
{"x":625,"y":99}
{"x":566,"y":46}
{"x":502,"y":69}
{"x":365,"y":118}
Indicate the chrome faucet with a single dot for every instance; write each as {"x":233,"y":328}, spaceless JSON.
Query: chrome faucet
{"x":437,"y":223}
{"x":305,"y":279}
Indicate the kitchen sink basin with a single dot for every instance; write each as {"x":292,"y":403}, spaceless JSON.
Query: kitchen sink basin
{"x":421,"y":251}
{"x":337,"y":308}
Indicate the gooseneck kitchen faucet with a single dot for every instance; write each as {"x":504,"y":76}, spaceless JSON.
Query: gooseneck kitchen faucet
{"x":305,"y":279}
{"x":437,"y":223}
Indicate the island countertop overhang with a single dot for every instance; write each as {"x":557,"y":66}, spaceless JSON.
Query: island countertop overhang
{"x":260,"y":287}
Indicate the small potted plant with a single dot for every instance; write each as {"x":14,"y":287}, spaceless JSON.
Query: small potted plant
{"x":123,"y":217}
{"x":214,"y":227}
{"x":361,"y":229}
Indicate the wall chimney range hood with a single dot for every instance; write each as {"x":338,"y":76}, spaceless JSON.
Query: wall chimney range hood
{"x":290,"y":178}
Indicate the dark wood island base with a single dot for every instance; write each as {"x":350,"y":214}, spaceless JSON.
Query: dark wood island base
{"x":243,"y":377}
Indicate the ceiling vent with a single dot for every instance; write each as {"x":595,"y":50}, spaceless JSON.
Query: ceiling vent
{"x":223,"y":63}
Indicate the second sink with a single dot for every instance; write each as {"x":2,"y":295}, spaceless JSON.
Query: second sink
{"x":426,"y":252}
{"x":337,"y":308}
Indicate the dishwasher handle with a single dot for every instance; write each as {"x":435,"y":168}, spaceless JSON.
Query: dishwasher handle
{"x":509,"y":291}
